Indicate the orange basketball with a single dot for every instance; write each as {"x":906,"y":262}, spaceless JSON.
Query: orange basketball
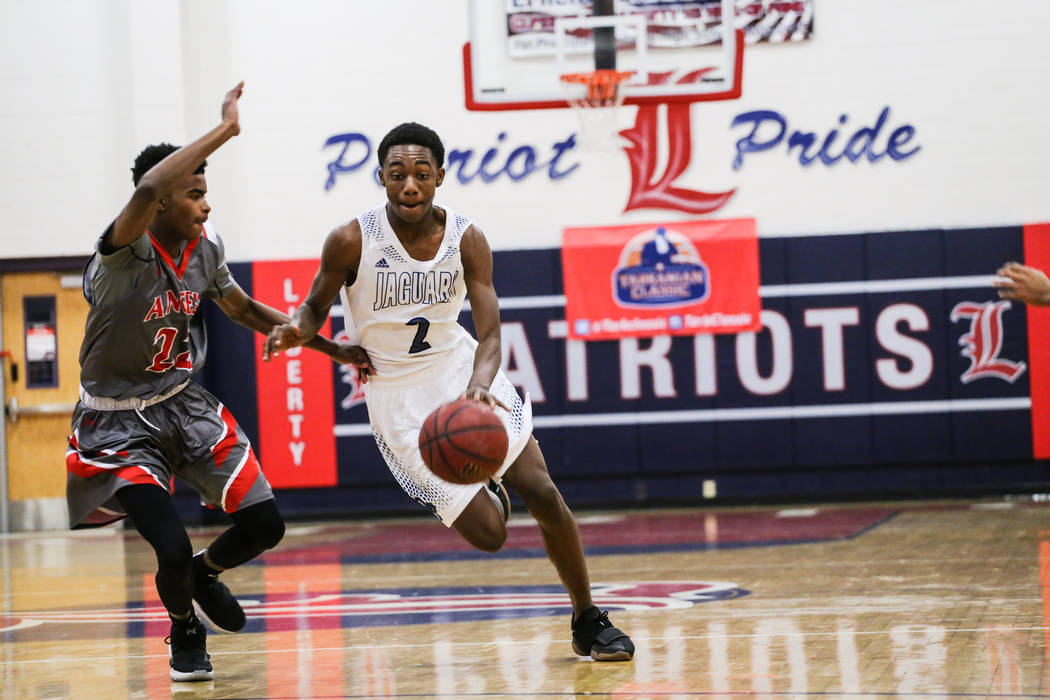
{"x":463,"y":441}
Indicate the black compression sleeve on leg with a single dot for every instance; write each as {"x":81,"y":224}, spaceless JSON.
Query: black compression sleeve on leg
{"x":255,"y":529}
{"x":153,"y":514}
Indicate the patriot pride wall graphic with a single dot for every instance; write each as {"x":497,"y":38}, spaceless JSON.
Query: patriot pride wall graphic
{"x":679,"y":278}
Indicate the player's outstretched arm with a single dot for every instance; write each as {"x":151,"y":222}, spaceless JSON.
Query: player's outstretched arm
{"x":253,"y":314}
{"x":339,"y":260}
{"x":484,"y":308}
{"x":1023,"y":283}
{"x":158,"y":181}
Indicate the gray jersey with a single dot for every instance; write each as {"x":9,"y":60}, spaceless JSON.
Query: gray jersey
{"x":143,"y":334}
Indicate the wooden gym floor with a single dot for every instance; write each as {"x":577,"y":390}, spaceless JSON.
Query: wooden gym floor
{"x":913,"y":600}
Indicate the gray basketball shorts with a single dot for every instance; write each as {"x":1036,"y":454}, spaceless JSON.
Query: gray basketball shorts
{"x":190,"y":435}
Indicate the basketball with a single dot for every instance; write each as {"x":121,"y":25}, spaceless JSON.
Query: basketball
{"x":463,"y":441}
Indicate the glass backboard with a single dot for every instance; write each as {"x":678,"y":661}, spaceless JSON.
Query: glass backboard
{"x":678,"y":51}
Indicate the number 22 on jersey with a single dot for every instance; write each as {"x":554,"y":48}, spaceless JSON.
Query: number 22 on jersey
{"x":162,"y":361}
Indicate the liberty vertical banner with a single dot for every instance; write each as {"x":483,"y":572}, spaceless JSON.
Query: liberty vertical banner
{"x":1037,"y":254}
{"x":295,"y":391}
{"x":679,"y":278}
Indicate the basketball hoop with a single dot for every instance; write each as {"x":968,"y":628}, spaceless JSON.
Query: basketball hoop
{"x":597,"y":112}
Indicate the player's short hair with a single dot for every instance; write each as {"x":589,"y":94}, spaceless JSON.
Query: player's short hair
{"x":151,"y":155}
{"x":416,"y":135}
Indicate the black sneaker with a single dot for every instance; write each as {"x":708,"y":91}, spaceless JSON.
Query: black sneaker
{"x":213,"y":601}
{"x":499,"y":495}
{"x":593,"y":635}
{"x":189,"y":655}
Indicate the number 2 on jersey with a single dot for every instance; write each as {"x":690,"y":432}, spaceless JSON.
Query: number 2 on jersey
{"x":419,"y":343}
{"x":162,"y":361}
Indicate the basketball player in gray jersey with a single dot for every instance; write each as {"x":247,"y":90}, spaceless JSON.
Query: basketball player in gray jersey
{"x":405,"y":268}
{"x":140,"y":421}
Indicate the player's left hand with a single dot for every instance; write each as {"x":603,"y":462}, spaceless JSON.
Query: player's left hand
{"x":230,"y":112}
{"x":1023,"y":283}
{"x":481,"y":394}
{"x":349,"y":354}
{"x":283,"y":337}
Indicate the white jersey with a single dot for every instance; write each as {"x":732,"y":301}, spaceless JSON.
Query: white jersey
{"x":405,"y":311}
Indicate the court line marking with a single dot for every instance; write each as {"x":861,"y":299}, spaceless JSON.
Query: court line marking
{"x":512,"y":642}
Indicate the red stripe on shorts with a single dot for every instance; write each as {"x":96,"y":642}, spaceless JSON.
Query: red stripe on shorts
{"x":134,"y":474}
{"x":222,"y":449}
{"x":242,"y":483}
{"x":242,"y":480}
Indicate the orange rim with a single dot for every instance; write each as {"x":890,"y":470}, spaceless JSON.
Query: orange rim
{"x":601,"y":84}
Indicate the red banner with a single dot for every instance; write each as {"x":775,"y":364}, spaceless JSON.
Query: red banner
{"x":295,"y":394}
{"x":1037,"y":254}
{"x":679,"y":278}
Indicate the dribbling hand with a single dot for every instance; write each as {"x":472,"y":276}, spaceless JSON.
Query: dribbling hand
{"x":479,"y":394}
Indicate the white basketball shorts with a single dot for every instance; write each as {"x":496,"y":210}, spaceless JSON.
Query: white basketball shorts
{"x":397,"y":413}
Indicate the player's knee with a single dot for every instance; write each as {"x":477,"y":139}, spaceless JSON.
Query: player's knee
{"x":543,"y":501}
{"x":175,"y":555}
{"x":262,"y":522}
{"x":490,"y":539}
{"x":270,"y":532}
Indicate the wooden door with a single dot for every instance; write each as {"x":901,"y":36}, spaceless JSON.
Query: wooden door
{"x":37,"y":428}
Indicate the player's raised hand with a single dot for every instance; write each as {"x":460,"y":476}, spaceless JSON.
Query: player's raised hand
{"x":283,"y":337}
{"x":230,"y":112}
{"x":1023,"y":283}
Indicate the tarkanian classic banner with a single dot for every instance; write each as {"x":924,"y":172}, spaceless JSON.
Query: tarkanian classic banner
{"x":679,"y":278}
{"x":295,"y":392}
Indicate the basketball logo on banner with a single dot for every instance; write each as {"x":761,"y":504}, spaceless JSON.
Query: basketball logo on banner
{"x":660,"y":268}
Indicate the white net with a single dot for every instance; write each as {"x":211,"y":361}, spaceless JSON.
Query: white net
{"x":598,"y":111}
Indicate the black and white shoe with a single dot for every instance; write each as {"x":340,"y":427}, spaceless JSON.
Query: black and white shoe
{"x":595,"y":636}
{"x":213,"y":601}
{"x":188,"y":649}
{"x":500,"y":496}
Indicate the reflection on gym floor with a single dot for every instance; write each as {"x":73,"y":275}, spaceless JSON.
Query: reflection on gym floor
{"x":919,"y":600}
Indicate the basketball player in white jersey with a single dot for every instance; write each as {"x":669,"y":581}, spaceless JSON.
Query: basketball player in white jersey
{"x":405,"y":268}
